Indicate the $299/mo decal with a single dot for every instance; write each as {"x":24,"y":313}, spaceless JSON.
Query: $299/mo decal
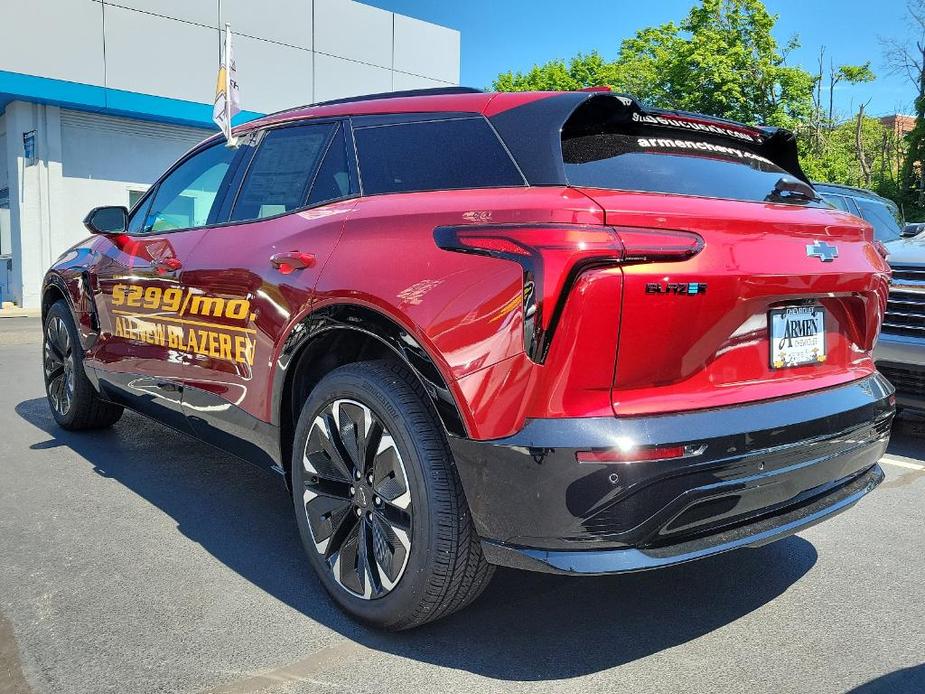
{"x":174,"y":327}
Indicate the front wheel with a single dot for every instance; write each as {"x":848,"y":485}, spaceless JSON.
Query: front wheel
{"x":74,"y":402}
{"x":379,"y":505}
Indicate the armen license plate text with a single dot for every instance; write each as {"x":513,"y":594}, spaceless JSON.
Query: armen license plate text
{"x":797,"y":336}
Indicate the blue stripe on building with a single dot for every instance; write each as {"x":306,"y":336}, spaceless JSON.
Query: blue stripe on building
{"x":114,"y":102}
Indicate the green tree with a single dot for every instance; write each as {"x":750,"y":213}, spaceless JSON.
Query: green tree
{"x":722,"y":59}
{"x":557,"y":75}
{"x":852,"y":74}
{"x":838,"y":160}
{"x":906,"y":56}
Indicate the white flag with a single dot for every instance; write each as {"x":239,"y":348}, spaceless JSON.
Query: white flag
{"x":227,"y":98}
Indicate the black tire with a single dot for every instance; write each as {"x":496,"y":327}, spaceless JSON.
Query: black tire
{"x":444,"y":570}
{"x":73,"y":400}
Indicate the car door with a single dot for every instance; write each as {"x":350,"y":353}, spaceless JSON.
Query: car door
{"x":250,"y":277}
{"x":142,"y":298}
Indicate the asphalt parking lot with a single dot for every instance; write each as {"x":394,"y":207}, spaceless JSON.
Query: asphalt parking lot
{"x":139,"y":560}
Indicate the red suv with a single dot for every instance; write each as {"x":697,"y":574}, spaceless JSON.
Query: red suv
{"x":553,"y":331}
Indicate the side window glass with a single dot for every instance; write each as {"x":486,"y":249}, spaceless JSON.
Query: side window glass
{"x":282,"y":171}
{"x":185,"y":198}
{"x":332,"y":181}
{"x":136,"y":223}
{"x":881,"y":219}
{"x":838,"y":201}
{"x":433,"y":155}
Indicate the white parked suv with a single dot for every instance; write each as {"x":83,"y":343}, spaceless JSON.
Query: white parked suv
{"x":900,"y":352}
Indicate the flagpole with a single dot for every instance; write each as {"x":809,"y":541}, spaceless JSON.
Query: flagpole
{"x":227,"y":99}
{"x":231,"y":139}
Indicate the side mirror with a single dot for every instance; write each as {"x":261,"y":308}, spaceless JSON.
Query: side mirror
{"x":911,"y":230}
{"x":110,"y":219}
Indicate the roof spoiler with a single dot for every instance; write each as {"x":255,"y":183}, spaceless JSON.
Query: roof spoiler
{"x":533,"y":131}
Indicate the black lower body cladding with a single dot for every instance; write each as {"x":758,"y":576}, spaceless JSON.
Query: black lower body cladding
{"x":766,"y":470}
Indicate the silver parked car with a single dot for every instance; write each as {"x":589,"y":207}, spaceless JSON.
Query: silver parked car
{"x":900,"y":352}
{"x":883,"y":214}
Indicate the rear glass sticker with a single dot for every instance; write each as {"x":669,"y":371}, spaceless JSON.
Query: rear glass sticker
{"x":666,"y":143}
{"x":694,"y":125}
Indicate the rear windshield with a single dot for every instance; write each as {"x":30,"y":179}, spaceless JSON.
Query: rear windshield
{"x":668,"y":162}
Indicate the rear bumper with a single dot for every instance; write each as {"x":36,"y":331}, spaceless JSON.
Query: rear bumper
{"x":767,"y":470}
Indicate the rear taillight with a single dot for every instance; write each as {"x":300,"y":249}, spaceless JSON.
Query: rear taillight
{"x":552,"y":256}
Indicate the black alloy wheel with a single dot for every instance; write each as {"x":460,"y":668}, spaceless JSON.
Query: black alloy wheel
{"x":357,"y":499}
{"x":75,"y":403}
{"x":380,"y":508}
{"x":59,"y":366}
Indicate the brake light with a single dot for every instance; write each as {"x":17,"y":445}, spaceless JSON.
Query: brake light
{"x":552,"y":256}
{"x":645,"y":245}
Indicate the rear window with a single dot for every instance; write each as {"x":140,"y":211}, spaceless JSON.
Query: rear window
{"x":433,"y":155}
{"x":684,"y":164}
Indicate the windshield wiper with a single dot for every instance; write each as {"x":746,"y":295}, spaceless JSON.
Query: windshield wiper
{"x":791,"y":188}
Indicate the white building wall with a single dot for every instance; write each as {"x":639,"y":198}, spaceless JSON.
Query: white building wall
{"x":289,"y":53}
{"x":82,"y":160}
{"x":30,"y":195}
{"x":5,"y":240}
{"x":74,"y":28}
{"x":103,"y":158}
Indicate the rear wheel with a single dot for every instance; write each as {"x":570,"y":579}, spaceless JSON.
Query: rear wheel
{"x":74,"y":402}
{"x":380,"y":508}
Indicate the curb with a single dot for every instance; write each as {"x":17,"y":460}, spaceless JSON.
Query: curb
{"x":20,"y":313}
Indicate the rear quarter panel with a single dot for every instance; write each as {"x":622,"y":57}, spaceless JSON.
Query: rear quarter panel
{"x":466,"y":311}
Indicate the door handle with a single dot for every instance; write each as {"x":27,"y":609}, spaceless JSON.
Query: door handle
{"x":168,"y":264}
{"x":293,"y":260}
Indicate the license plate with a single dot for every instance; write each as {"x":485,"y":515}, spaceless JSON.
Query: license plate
{"x":797,"y":336}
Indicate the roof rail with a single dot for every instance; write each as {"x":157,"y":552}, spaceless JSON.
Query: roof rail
{"x":431,"y":91}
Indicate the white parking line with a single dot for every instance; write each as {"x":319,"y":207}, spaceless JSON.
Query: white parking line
{"x":890,"y":460}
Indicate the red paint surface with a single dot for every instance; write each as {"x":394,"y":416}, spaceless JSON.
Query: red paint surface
{"x":616,"y":349}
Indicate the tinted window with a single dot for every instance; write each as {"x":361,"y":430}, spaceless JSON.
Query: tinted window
{"x":333,"y":178}
{"x":881,"y":219}
{"x":282,"y":170}
{"x":185,"y":198}
{"x":660,"y":163}
{"x":434,"y":155}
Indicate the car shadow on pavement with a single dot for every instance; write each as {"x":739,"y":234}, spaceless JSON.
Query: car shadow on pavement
{"x":525,"y":627}
{"x":910,"y":679}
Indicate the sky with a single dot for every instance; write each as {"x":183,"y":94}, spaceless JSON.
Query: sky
{"x":516,"y":34}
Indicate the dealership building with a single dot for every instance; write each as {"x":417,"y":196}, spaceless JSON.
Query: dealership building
{"x":98,"y":97}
